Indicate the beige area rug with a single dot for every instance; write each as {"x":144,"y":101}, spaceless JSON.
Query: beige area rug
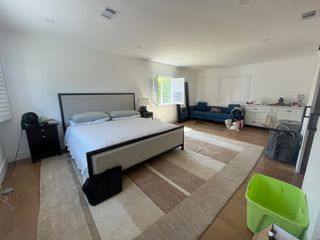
{"x":173,"y":196}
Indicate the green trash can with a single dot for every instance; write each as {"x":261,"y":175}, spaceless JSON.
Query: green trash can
{"x":271,"y":201}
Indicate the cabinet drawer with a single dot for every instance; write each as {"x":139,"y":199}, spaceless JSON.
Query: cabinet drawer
{"x":259,"y":109}
{"x":256,"y":115}
{"x":289,"y":114}
{"x":43,"y":141}
{"x":295,"y":111}
{"x":42,"y":133}
{"x":254,"y":122}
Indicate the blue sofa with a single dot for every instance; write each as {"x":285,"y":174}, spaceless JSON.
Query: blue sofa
{"x":202,"y":111}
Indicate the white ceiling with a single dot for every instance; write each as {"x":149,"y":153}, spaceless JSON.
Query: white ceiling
{"x":192,"y":33}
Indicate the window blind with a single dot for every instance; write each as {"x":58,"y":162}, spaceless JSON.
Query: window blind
{"x":5,"y":110}
{"x":168,"y":90}
{"x":177,"y":92}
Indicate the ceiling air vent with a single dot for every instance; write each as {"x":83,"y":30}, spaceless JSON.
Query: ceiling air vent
{"x":310,"y":14}
{"x":109,"y":12}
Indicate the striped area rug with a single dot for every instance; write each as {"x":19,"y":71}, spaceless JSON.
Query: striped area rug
{"x":173,"y":196}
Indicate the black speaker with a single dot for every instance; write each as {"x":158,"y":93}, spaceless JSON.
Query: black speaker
{"x":29,"y":119}
{"x":183,"y":112}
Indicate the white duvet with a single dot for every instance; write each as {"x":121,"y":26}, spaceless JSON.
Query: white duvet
{"x":85,"y":138}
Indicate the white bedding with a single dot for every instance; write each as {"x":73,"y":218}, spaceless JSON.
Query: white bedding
{"x":85,"y":138}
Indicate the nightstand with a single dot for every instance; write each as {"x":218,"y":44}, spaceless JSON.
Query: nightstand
{"x":147,"y":114}
{"x":43,"y":141}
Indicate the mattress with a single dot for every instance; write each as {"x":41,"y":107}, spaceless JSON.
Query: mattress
{"x":85,"y":138}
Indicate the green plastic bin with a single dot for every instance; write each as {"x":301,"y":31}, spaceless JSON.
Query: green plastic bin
{"x":271,"y":201}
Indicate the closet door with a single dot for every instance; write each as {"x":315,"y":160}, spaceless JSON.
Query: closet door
{"x":241,"y":88}
{"x":234,"y":89}
{"x":225,"y":90}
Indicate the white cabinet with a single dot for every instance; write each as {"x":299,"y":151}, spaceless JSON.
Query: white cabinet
{"x":289,"y":113}
{"x":256,"y":115}
{"x":270,"y":116}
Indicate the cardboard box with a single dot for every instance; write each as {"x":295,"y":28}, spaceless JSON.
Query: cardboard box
{"x":279,"y":234}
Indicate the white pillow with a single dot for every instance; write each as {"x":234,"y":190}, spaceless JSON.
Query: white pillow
{"x":88,"y":117}
{"x":123,"y":114}
{"x":73,"y":124}
{"x":123,"y":118}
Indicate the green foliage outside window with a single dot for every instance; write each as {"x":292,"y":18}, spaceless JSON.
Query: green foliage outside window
{"x":167,"y":90}
{"x":164,"y":88}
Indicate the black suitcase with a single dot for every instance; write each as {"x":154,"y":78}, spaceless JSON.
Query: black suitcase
{"x":102,"y":186}
{"x":283,"y":145}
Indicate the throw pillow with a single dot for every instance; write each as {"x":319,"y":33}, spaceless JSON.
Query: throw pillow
{"x":201,"y":106}
{"x":215,"y":110}
{"x":88,"y":117}
{"x":125,"y":113}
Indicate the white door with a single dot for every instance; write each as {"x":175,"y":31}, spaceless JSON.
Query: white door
{"x":225,"y":90}
{"x":234,"y":89}
{"x":311,"y":187}
{"x":241,"y":88}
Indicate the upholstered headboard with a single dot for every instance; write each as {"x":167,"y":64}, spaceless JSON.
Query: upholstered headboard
{"x":73,"y":103}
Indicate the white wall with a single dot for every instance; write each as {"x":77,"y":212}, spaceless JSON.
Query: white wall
{"x":269,"y":80}
{"x":37,"y":68}
{"x":311,"y":187}
{"x":3,"y":165}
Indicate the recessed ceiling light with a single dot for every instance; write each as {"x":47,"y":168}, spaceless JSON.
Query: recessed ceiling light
{"x":241,"y":2}
{"x":49,"y":20}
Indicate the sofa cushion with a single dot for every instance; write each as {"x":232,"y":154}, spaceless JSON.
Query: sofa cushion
{"x":215,"y":110}
{"x":201,"y":106}
{"x":211,"y":116}
{"x":225,"y":110}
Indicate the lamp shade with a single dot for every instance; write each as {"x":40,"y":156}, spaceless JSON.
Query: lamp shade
{"x":144,"y":101}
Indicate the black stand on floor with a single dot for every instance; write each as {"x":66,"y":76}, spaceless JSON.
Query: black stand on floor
{"x":183,"y":112}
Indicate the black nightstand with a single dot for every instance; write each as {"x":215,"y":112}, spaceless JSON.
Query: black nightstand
{"x":147,"y":114}
{"x":43,"y":141}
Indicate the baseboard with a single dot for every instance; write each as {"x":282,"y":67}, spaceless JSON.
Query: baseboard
{"x":4,"y":167}
{"x":20,"y":156}
{"x":3,"y":170}
{"x":25,"y":155}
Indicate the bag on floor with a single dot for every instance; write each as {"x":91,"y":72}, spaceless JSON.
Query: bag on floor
{"x":102,"y":186}
{"x":283,"y":145}
{"x":235,"y":126}
{"x":228,"y":123}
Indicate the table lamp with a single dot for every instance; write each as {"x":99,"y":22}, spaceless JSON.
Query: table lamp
{"x":143,"y":102}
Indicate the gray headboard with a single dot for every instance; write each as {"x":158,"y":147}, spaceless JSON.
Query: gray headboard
{"x":73,"y":103}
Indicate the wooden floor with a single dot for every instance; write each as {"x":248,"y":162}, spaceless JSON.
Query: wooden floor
{"x":230,"y":223}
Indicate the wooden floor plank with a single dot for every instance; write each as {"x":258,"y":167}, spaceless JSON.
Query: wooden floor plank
{"x":21,"y":223}
{"x":230,"y":223}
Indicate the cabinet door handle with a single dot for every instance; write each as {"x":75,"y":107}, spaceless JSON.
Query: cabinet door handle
{"x":289,"y":111}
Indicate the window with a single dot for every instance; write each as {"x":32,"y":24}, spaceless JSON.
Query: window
{"x":168,"y":90}
{"x":5,"y":110}
{"x":234,"y":89}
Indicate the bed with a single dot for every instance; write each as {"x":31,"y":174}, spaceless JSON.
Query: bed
{"x":126,"y":142}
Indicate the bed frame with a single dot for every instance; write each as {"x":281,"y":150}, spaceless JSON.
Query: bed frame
{"x":125,"y":154}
